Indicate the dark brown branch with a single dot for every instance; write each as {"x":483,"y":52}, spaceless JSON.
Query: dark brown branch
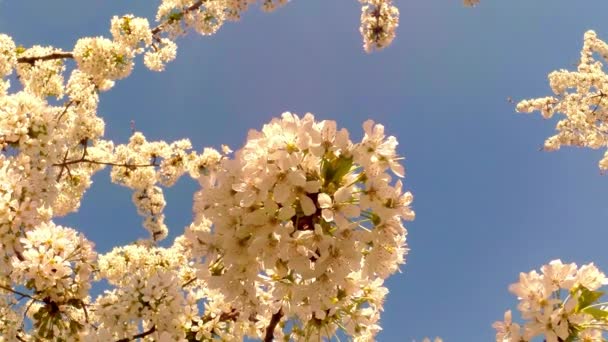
{"x":274,"y":321}
{"x":20,"y":338}
{"x":189,"y":282}
{"x":55,"y":55}
{"x":143,"y":334}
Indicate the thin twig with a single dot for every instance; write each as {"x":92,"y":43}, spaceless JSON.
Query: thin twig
{"x":23,"y":295}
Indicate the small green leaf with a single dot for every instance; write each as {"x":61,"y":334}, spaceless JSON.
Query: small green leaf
{"x":597,"y":313}
{"x":587,"y":298}
{"x":176,"y":16}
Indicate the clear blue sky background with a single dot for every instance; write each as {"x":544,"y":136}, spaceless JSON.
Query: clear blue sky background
{"x":488,"y":203}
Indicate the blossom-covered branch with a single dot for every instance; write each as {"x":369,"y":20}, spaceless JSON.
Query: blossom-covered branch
{"x":581,"y":97}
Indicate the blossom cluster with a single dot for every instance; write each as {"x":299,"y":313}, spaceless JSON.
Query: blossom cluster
{"x":305,"y":222}
{"x":379,"y":21}
{"x":560,"y":304}
{"x":582,"y":97}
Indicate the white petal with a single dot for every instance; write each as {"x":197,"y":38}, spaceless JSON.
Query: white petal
{"x":397,"y":168}
{"x":312,"y":187}
{"x":297,"y":178}
{"x":328,"y":215}
{"x":324,"y":201}
{"x":308,"y":206}
{"x":281,"y":192}
{"x":286,"y":213}
{"x":342,"y":195}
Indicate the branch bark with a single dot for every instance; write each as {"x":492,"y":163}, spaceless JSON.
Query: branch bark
{"x":274,"y":321}
{"x":55,"y":55}
{"x":143,"y":334}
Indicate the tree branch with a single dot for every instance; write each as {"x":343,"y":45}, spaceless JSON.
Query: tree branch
{"x":23,"y":295}
{"x":143,"y":334}
{"x":274,"y":321}
{"x":69,"y":55}
{"x":55,"y":55}
{"x":65,"y":164}
{"x":158,"y":29}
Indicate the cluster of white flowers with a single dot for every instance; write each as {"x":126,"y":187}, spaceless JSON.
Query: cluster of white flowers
{"x":306,"y":223}
{"x":56,"y":263}
{"x":582,"y":96}
{"x":560,"y":304}
{"x":8,"y":60}
{"x":148,"y":292}
{"x":43,"y":78}
{"x":379,"y":21}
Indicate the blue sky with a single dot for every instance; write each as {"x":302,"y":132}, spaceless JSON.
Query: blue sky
{"x":488,"y":203}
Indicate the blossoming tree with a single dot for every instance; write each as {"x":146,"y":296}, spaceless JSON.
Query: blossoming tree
{"x":292,"y":237}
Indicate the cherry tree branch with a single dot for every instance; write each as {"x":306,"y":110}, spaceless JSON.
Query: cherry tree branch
{"x":22,"y":294}
{"x":55,"y":55}
{"x":274,"y":321}
{"x":65,"y":164}
{"x":158,"y":29}
{"x":70,"y":55}
{"x":143,"y":334}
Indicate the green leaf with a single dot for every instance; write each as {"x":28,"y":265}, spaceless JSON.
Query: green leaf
{"x":597,"y":313}
{"x":587,"y":298}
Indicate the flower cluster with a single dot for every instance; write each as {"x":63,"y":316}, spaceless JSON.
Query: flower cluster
{"x":560,"y":304}
{"x":582,"y":96}
{"x":8,"y":60}
{"x":42,"y":78}
{"x":379,"y":21}
{"x":148,"y":291}
{"x":57,"y":264}
{"x":305,"y":223}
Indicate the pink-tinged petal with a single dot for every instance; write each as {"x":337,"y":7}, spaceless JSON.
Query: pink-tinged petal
{"x":367,"y":127}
